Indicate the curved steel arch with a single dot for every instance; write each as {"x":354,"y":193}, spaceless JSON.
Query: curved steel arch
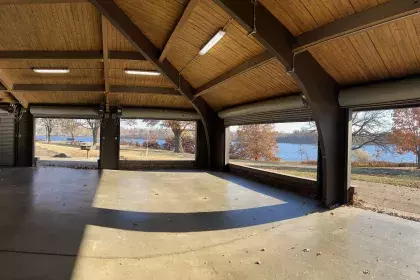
{"x":319,"y":88}
{"x":212,"y":124}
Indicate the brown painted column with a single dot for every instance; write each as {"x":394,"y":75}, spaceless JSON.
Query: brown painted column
{"x":321,"y":92}
{"x":25,"y":133}
{"x":110,"y":144}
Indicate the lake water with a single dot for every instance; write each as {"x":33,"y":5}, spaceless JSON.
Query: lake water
{"x":296,"y":152}
{"x":287,"y":151}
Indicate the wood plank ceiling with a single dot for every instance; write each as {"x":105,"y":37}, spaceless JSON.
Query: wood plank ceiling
{"x":235,"y":71}
{"x":390,"y":50}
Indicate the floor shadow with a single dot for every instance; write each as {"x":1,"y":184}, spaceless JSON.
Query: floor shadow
{"x":44,"y":213}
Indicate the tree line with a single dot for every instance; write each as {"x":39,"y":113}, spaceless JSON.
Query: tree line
{"x":69,"y":127}
{"x":259,"y":142}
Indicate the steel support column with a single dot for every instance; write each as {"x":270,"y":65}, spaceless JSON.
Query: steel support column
{"x":217,"y":157}
{"x":25,"y":129}
{"x":110,"y":144}
{"x":321,"y":92}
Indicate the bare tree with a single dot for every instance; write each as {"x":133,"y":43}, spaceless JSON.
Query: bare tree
{"x":70,"y":126}
{"x":369,"y":128}
{"x":93,"y":125}
{"x":49,"y":125}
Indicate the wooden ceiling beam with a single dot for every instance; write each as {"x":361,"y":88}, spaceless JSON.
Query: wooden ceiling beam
{"x":269,"y":31}
{"x":178,"y":28}
{"x":137,"y":89}
{"x":69,"y":55}
{"x":8,"y":85}
{"x":96,"y":88}
{"x":50,"y":55}
{"x":124,"y":55}
{"x":210,"y":121}
{"x":363,"y":20}
{"x":236,"y":71}
{"x":17,"y":2}
{"x":104,"y":27}
{"x":58,"y":87}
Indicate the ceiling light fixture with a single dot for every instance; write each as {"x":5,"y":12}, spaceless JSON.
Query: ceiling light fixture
{"x":51,"y":71}
{"x":141,"y":72}
{"x":213,"y":41}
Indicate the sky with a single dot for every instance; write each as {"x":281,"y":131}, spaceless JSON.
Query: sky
{"x":284,"y":127}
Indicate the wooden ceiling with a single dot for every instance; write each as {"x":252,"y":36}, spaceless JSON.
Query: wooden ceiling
{"x":237,"y":70}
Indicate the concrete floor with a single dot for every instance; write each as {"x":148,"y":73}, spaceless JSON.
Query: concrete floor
{"x":58,"y":223}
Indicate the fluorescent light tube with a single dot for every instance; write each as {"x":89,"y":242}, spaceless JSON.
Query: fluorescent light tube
{"x":141,"y":72}
{"x":213,"y":41}
{"x":51,"y":71}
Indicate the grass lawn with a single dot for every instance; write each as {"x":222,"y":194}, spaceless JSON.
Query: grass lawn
{"x":408,"y":177}
{"x":48,"y":150}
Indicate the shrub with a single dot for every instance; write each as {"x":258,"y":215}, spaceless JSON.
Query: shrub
{"x":361,"y":156}
{"x":151,"y":144}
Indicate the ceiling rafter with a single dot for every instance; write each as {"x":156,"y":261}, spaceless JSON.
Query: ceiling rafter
{"x":59,"y":87}
{"x":95,"y":88}
{"x":136,"y":37}
{"x":17,"y":2}
{"x":137,"y":89}
{"x":8,"y":85}
{"x":69,"y":55}
{"x":104,"y":27}
{"x":178,"y":28}
{"x":246,"y":66}
{"x":269,"y":32}
{"x":378,"y":15}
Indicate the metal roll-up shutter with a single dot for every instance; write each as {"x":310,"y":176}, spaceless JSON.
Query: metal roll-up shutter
{"x":64,"y":112}
{"x":404,"y":92}
{"x":159,"y":114}
{"x":277,"y":110}
{"x":7,"y":140}
{"x":291,"y":115}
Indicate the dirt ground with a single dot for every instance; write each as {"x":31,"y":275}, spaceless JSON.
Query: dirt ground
{"x":394,"y":191}
{"x":47,"y":151}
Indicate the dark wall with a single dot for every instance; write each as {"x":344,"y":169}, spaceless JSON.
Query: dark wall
{"x":25,"y":130}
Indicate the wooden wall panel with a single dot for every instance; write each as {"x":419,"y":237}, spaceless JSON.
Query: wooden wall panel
{"x":266,"y":81}
{"x":300,"y":16}
{"x":75,"y":76}
{"x":151,"y":100}
{"x":62,"y":27}
{"x":203,"y":24}
{"x":57,"y":97}
{"x":155,"y":18}
{"x":387,"y":51}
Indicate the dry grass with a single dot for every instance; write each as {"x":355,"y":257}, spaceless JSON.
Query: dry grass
{"x":48,"y":150}
{"x":408,"y":177}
